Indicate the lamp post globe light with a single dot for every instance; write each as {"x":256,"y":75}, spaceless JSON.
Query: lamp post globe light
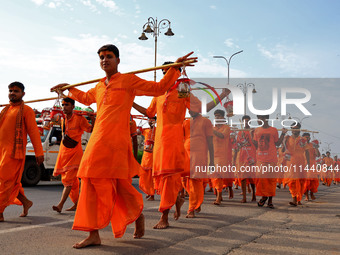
{"x":152,"y":26}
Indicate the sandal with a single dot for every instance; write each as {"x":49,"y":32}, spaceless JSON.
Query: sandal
{"x":262,"y":202}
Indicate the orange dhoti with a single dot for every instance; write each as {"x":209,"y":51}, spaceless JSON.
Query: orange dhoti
{"x":12,"y":159}
{"x":312,"y":185}
{"x":266,"y":187}
{"x":103,"y":201}
{"x":10,"y":185}
{"x":168,"y":187}
{"x":297,"y":188}
{"x":67,"y":166}
{"x":195,"y":189}
{"x":146,"y":181}
{"x":70,"y":179}
{"x":217,"y":184}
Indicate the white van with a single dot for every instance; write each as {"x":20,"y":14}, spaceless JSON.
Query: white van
{"x":51,"y":140}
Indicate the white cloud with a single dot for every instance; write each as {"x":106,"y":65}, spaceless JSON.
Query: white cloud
{"x":89,"y":4}
{"x":287,"y":60}
{"x":38,"y":2}
{"x":230,"y":43}
{"x":52,"y":5}
{"x":111,"y":5}
{"x":137,"y":7}
{"x":213,"y":7}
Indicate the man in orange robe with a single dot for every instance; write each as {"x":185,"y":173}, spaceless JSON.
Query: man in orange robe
{"x":245,"y":155}
{"x":69,"y":157}
{"x":222,"y":155}
{"x":312,"y":182}
{"x":198,"y":134}
{"x":296,"y":146}
{"x":265,"y":140}
{"x":328,"y":174}
{"x":169,"y":155}
{"x":16,"y":121}
{"x":145,"y":174}
{"x":108,"y":165}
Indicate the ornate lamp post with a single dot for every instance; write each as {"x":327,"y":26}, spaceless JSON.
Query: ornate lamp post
{"x":228,"y":61}
{"x":152,"y":26}
{"x":244,"y":87}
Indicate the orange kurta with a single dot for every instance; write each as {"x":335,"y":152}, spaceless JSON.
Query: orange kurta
{"x":108,"y":163}
{"x":246,"y":155}
{"x":296,"y":182}
{"x":69,"y":158}
{"x":221,"y":156}
{"x":145,"y":177}
{"x":266,"y":155}
{"x":197,"y":130}
{"x":312,"y":182}
{"x":169,"y":157}
{"x":11,"y":169}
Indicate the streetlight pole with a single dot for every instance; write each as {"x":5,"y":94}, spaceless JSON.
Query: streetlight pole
{"x":244,"y":87}
{"x":228,"y":61}
{"x":152,"y":26}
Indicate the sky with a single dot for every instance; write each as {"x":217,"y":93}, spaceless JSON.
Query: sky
{"x":44,"y":43}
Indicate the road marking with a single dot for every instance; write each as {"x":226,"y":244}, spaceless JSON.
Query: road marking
{"x":11,"y":230}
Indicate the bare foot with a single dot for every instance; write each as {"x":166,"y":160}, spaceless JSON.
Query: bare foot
{"x":147,"y":196}
{"x":299,"y":203}
{"x":218,"y":198}
{"x":56,"y":208}
{"x":92,"y":240}
{"x":151,"y":198}
{"x":312,"y":197}
{"x":198,"y":209}
{"x":253,"y":199}
{"x":244,"y":200}
{"x":26,"y":207}
{"x":139,"y":227}
{"x":217,"y":202}
{"x":179,"y":203}
{"x":307,"y":199}
{"x":2,"y":217}
{"x":163,"y":222}
{"x":191,"y":215}
{"x":72,"y":208}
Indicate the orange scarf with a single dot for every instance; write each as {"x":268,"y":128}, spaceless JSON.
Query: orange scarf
{"x":18,"y":146}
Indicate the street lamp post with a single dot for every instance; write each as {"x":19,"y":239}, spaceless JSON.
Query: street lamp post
{"x":228,"y":61}
{"x":152,"y":26}
{"x":244,"y":87}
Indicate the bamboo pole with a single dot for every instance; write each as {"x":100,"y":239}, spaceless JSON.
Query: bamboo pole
{"x":34,"y":101}
{"x":135,"y":72}
{"x":186,"y":62}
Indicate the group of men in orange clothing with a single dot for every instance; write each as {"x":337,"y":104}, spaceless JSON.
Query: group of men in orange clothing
{"x":172,"y":150}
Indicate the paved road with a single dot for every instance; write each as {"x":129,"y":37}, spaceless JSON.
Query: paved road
{"x":232,"y":228}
